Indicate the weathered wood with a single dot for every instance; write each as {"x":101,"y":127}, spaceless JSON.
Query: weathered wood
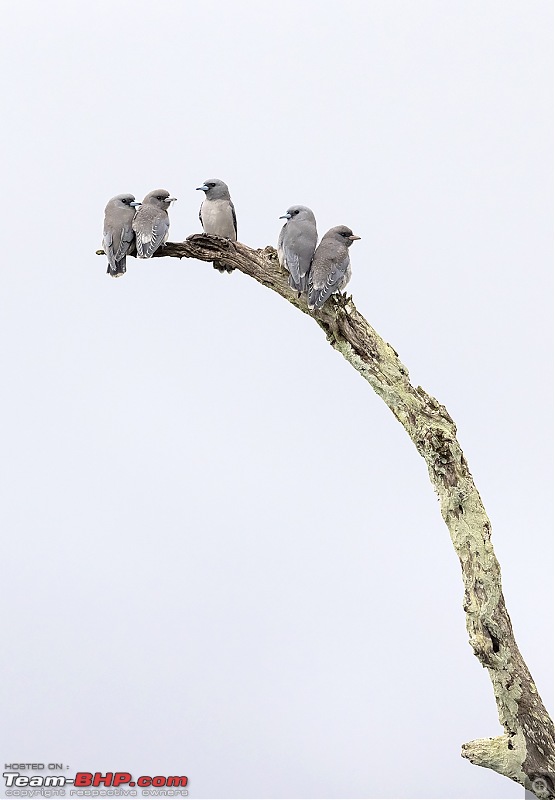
{"x":526,"y":751}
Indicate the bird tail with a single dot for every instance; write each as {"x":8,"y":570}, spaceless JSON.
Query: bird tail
{"x":312,"y":298}
{"x":117,"y":269}
{"x":301,"y":285}
{"x":293,"y":283}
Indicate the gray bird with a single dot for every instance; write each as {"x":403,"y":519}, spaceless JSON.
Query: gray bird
{"x":217,"y":214}
{"x":118,"y":239}
{"x":296,"y":245}
{"x":152,"y":223}
{"x":331,"y":266}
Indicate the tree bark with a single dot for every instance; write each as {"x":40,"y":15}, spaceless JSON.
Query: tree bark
{"x":526,"y":750}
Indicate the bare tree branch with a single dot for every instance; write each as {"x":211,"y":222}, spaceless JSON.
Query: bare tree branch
{"x":526,"y":751}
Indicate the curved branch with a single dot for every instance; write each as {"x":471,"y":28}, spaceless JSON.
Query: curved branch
{"x":526,"y":751}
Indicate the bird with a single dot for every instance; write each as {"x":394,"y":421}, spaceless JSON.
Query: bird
{"x":118,"y":238}
{"x":296,"y":245}
{"x":331,"y":266}
{"x":152,"y":223}
{"x":217,"y":214}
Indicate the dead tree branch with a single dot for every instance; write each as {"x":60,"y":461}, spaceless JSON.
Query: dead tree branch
{"x":526,"y":750}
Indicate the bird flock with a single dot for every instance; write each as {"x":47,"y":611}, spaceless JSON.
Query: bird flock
{"x":133,"y":228}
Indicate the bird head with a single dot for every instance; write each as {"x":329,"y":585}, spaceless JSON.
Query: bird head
{"x":298,"y":212}
{"x":343,"y":234}
{"x":159,"y":198}
{"x":215,"y":189}
{"x":124,"y":201}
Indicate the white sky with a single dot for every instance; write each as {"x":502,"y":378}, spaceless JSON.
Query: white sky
{"x":222,"y":556}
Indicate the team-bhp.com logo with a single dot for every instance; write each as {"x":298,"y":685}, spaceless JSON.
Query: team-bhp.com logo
{"x":86,"y":784}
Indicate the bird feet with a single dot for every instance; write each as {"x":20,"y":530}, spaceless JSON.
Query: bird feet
{"x":343,"y":300}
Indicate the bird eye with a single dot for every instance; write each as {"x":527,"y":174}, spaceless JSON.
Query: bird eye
{"x":296,"y":212}
{"x":160,"y":197}
{"x":211,"y":185}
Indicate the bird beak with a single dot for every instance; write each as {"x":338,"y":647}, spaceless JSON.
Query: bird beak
{"x":353,"y":238}
{"x":286,"y":216}
{"x":203,"y":188}
{"x":171,"y":200}
{"x":135,"y":203}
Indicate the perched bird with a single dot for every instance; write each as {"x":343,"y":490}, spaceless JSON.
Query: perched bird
{"x":217,"y":214}
{"x":151,"y":223}
{"x":296,"y":245}
{"x":118,"y":239}
{"x":331,"y":266}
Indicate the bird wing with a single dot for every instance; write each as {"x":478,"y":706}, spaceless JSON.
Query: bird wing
{"x":116,"y":256}
{"x":151,"y":229}
{"x":305,"y":245}
{"x":324,"y":278}
{"x":292,"y":263}
{"x":107,"y":246}
{"x":280,"y":253}
{"x":234,"y":217}
{"x":127,"y":236}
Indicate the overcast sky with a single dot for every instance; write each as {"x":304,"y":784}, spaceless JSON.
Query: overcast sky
{"x":222,"y":556}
